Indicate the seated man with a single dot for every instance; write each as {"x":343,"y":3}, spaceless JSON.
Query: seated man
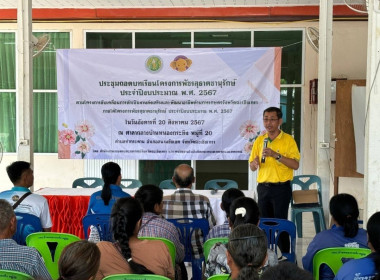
{"x":21,"y":175}
{"x":185,"y":204}
{"x":227,"y":198}
{"x":17,"y":257}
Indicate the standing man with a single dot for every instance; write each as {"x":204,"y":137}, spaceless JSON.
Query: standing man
{"x":276,"y":155}
{"x":21,"y":175}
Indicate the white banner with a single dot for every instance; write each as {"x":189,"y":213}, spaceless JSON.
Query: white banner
{"x":167,"y":104}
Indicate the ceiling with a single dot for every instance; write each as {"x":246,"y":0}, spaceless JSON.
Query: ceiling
{"x":96,"y":4}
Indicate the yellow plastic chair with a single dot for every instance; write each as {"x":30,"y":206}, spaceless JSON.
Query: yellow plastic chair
{"x":211,"y":242}
{"x":168,"y":243}
{"x":50,"y":246}
{"x":219,"y":277}
{"x":14,"y":275}
{"x":334,"y":258}
{"x":135,"y":277}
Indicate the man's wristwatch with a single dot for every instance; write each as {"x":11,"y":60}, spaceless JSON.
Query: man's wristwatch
{"x":279,"y":157}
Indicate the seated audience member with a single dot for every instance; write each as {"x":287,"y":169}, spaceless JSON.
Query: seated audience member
{"x":243,"y":210}
{"x":227,"y":198}
{"x":368,"y":267}
{"x":185,"y":204}
{"x":21,"y":175}
{"x":128,"y":254}
{"x":101,"y":202}
{"x":154,"y":225}
{"x":246,"y":252}
{"x":79,"y":261}
{"x":286,"y":271}
{"x":345,"y":232}
{"x":17,"y":257}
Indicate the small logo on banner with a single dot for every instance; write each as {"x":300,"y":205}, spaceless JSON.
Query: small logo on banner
{"x":153,"y":64}
{"x":181,"y":63}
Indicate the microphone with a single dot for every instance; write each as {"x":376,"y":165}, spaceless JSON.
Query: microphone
{"x":265,"y":145}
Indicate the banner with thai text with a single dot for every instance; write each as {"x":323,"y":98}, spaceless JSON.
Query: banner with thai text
{"x":166,"y":104}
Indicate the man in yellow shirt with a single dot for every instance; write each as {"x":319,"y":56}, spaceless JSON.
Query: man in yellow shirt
{"x":276,"y":155}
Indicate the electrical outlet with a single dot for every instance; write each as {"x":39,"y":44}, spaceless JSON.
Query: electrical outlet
{"x":324,"y":145}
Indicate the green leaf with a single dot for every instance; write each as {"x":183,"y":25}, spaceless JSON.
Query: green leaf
{"x":77,"y":152}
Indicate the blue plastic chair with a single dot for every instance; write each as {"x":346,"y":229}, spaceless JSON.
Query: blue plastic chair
{"x":88,"y":182}
{"x":186,"y":228}
{"x":221,"y":184}
{"x":273,"y":228}
{"x":167,"y":184}
{"x":130,"y":183}
{"x":102,"y":224}
{"x":301,"y":184}
{"x":26,"y":224}
{"x":14,"y":275}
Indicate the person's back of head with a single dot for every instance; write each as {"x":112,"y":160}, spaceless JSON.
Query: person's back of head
{"x":149,"y":196}
{"x":79,"y":261}
{"x":247,"y":249}
{"x":286,"y":271}
{"x":7,"y":220}
{"x":244,"y":210}
{"x":183,"y":176}
{"x":228,"y":197}
{"x":373,"y":231}
{"x":345,"y":211}
{"x":125,"y":216}
{"x":110,"y":174}
{"x":16,"y":169}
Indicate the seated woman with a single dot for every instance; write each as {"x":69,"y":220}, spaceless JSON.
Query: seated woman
{"x":101,"y":202}
{"x":345,"y":232}
{"x":79,"y":261}
{"x":154,"y":225}
{"x":128,"y":254}
{"x":368,"y":267}
{"x":243,"y":210}
{"x":246,"y":252}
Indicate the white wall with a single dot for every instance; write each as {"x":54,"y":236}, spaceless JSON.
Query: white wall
{"x":349,"y":61}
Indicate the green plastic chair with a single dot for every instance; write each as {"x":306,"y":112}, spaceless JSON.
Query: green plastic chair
{"x":88,"y":182}
{"x":219,"y":277}
{"x":130,"y":183}
{"x":169,"y":244}
{"x":167,"y":185}
{"x":14,"y":275}
{"x":221,"y":184}
{"x":333,"y":257}
{"x":303,"y":183}
{"x":50,"y":246}
{"x":211,"y":242}
{"x":135,"y":277}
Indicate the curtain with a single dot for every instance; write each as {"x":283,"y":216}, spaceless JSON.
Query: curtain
{"x":45,"y":104}
{"x":8,"y":92}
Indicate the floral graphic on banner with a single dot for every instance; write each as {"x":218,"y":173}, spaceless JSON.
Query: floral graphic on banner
{"x":250,"y":130}
{"x":80,"y":136}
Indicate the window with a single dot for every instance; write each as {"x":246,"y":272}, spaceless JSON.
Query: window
{"x":8,"y":91}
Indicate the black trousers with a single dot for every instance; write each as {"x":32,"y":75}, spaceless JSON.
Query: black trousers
{"x":274,"y":199}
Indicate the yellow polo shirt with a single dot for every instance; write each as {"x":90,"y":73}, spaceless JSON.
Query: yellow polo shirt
{"x":273,"y":171}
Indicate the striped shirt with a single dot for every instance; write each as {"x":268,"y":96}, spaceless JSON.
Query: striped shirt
{"x":23,"y":259}
{"x":183,"y":203}
{"x":220,"y":231}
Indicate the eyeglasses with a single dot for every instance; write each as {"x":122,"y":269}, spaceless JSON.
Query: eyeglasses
{"x":270,"y":120}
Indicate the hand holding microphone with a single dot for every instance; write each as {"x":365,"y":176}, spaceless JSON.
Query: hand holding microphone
{"x":264,"y":146}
